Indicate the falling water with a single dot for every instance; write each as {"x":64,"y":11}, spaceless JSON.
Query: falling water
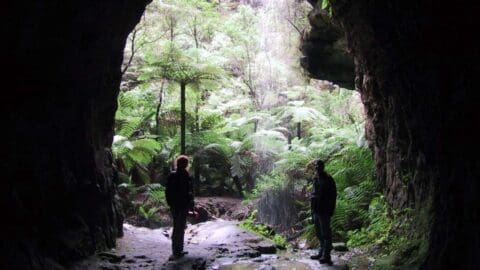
{"x":277,"y":61}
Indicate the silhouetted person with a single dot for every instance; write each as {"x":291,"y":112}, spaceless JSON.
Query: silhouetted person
{"x":179,"y":195}
{"x":323,"y":202}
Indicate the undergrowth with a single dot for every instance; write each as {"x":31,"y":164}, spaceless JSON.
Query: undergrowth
{"x":156,"y":195}
{"x":392,"y":237}
{"x":263,"y":230}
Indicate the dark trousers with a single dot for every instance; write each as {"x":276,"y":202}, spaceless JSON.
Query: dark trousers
{"x":324,"y":233}
{"x":179,"y":223}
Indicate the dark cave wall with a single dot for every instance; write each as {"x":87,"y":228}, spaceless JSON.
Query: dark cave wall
{"x":62,"y":76}
{"x":325,"y":48}
{"x":416,"y":66}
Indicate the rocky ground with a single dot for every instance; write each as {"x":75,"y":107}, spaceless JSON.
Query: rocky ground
{"x":217,"y":244}
{"x":208,"y":208}
{"x":214,"y":241}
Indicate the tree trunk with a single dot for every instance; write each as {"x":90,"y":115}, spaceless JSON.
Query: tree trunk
{"x":197,"y":117}
{"x":299,"y":130}
{"x":197,"y":180}
{"x":183,"y":120}
{"x":289,"y":141}
{"x":238,"y":185}
{"x":159,"y":105}
{"x":250,"y":182}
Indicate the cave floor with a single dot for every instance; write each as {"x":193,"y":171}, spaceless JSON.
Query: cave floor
{"x":217,"y":244}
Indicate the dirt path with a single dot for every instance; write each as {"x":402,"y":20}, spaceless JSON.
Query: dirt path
{"x":217,"y":244}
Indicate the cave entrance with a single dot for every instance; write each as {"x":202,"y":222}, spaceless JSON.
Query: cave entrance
{"x":221,"y":83}
{"x":416,"y":65}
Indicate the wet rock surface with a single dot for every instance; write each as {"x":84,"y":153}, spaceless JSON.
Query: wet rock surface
{"x":217,"y":244}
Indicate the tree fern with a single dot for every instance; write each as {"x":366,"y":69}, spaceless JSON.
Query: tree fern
{"x":126,"y":127}
{"x":136,"y":151}
{"x":216,"y":155}
{"x":298,"y":112}
{"x":266,"y":142}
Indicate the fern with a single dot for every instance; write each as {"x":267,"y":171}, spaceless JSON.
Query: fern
{"x":263,"y":230}
{"x":378,"y":229}
{"x":157,"y":195}
{"x":149,"y":214}
{"x":298,"y":112}
{"x":126,"y":127}
{"x":351,"y":166}
{"x":125,"y":101}
{"x":266,"y":142}
{"x":139,"y":151}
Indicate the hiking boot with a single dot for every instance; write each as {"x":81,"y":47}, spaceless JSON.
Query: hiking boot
{"x":173,"y":257}
{"x":177,"y":256}
{"x":318,"y":256}
{"x":326,"y":259}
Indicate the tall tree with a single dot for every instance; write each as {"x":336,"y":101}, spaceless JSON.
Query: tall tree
{"x":181,"y":67}
{"x":296,"y":112}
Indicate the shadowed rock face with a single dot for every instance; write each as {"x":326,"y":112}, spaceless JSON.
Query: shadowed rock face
{"x":62,"y":73}
{"x":325,"y":51}
{"x":416,"y":69}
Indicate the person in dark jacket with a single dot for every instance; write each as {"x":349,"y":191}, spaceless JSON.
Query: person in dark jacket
{"x":179,"y":195}
{"x":323,"y":202}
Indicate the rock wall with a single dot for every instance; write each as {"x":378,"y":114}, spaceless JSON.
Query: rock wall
{"x":416,"y":64}
{"x":61,"y":71}
{"x":325,"y":49}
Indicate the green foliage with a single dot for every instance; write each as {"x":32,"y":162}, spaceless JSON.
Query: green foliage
{"x":156,"y":195}
{"x":134,"y":113}
{"x":353,"y":171}
{"x":380,"y":225}
{"x":263,"y":230}
{"x":297,"y":112}
{"x":148,"y":215}
{"x":351,"y":166}
{"x":327,"y":6}
{"x":267,"y":182}
{"x":398,"y":242}
{"x":244,"y":96}
{"x":131,"y":152}
{"x":179,"y":66}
